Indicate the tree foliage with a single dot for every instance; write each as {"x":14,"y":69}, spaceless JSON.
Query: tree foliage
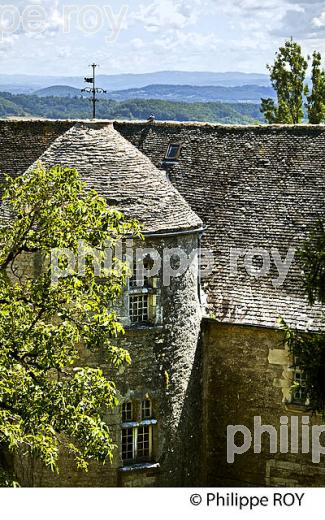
{"x":313,"y":257}
{"x":308,"y":353}
{"x":47,"y":398}
{"x":287,"y":75}
{"x":308,"y":350}
{"x":77,"y":108}
{"x":316,"y":100}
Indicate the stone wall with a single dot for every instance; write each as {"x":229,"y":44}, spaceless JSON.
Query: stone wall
{"x":253,"y":187}
{"x":247,"y":373}
{"x":166,"y":348}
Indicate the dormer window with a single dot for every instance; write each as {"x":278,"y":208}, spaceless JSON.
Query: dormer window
{"x":146,"y":409}
{"x":173,"y":152}
{"x":140,"y":273}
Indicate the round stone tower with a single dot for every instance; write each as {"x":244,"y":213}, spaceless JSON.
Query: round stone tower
{"x":157,"y":424}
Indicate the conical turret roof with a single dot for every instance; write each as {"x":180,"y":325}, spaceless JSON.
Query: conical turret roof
{"x":121,"y":173}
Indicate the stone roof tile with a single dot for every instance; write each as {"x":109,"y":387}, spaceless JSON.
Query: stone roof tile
{"x":253,"y":187}
{"x":119,"y":171}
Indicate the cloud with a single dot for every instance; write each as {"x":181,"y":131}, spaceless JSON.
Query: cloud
{"x":7,"y":44}
{"x":32,"y":18}
{"x":168,"y":34}
{"x":240,"y":6}
{"x":168,"y":14}
{"x":303,"y":25}
{"x":191,"y":42}
{"x":64,"y":52}
{"x":305,"y":3}
{"x":320,"y":21}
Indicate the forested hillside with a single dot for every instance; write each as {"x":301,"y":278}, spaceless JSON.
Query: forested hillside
{"x":181,"y":93}
{"x":75,"y":108}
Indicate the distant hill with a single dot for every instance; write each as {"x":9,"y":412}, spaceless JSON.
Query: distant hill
{"x":78,"y":108}
{"x":9,"y":108}
{"x":190,"y":94}
{"x":58,"y":91}
{"x":182,"y":93}
{"x":130,"y":81}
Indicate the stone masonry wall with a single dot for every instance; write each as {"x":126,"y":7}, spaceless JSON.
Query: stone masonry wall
{"x":167,"y":348}
{"x":247,"y":373}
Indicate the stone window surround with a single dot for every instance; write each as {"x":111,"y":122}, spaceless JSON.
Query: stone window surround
{"x":282,"y":358}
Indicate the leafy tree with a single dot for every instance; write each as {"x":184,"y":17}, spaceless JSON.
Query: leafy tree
{"x":47,"y":399}
{"x":308,"y":350}
{"x":316,"y":101}
{"x":287,"y":77}
{"x":7,"y":479}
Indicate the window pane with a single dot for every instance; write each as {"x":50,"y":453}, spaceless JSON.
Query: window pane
{"x":172,"y":151}
{"x":144,"y":442}
{"x":300,"y":393}
{"x":140,"y":272}
{"x":127,"y":412}
{"x":146,"y":409}
{"x":139,"y":308}
{"x":127,"y":444}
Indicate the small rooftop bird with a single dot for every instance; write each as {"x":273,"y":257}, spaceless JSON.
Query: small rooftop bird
{"x":151,"y":119}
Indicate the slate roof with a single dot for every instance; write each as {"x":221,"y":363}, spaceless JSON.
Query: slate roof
{"x":119,"y":171}
{"x":253,"y":187}
{"x":23,"y":141}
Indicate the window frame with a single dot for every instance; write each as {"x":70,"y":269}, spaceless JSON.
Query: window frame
{"x":176,"y":156}
{"x":124,"y":411}
{"x":132,"y":429}
{"x":125,"y":448}
{"x":145,"y":305}
{"x":299,"y":377}
{"x":149,"y":433}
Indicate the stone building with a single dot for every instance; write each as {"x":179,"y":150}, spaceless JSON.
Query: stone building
{"x":248,"y":196}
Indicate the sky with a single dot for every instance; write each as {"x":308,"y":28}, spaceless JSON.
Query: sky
{"x":62,"y":37}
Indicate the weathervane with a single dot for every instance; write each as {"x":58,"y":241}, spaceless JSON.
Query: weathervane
{"x":93,"y":90}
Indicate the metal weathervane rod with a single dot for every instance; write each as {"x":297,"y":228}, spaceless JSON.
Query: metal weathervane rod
{"x":93,"y":90}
